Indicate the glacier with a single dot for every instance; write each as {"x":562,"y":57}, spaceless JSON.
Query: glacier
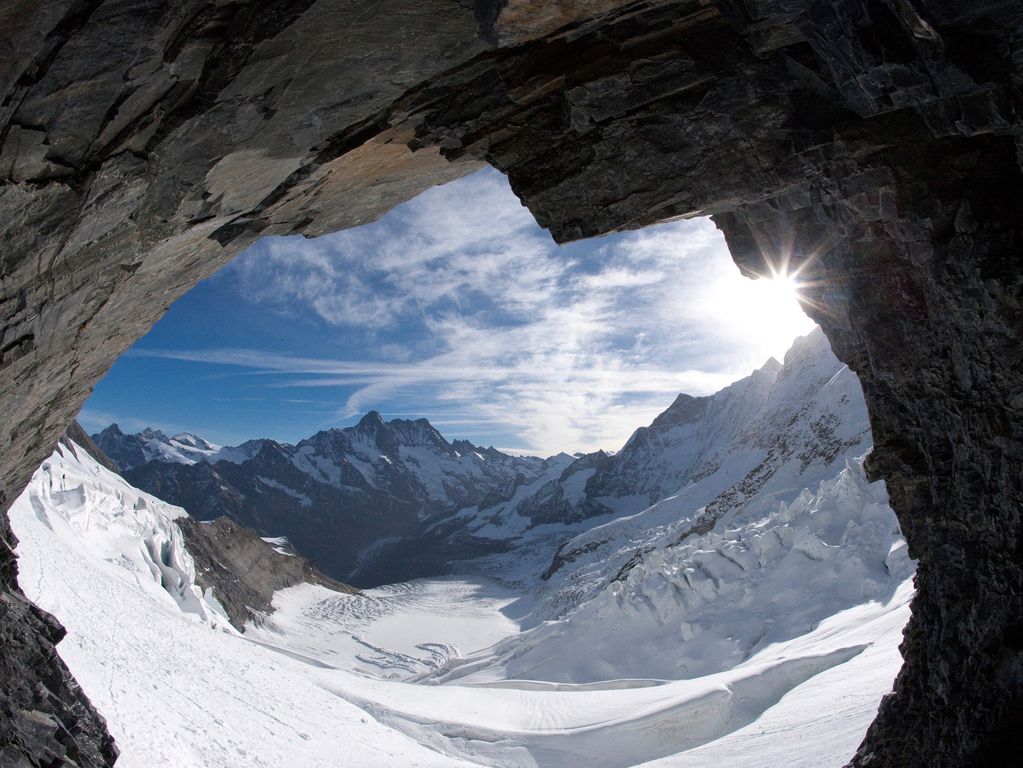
{"x":763,"y":632}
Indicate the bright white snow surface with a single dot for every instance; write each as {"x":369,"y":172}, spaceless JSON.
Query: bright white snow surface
{"x":403,"y":677}
{"x":713,"y":600}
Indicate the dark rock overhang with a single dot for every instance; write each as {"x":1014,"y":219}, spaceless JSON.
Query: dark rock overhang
{"x":874,"y":140}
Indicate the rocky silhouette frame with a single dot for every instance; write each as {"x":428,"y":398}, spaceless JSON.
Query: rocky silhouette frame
{"x":876,"y":143}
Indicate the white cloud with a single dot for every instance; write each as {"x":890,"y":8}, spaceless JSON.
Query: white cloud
{"x":568,"y":348}
{"x":550,"y":399}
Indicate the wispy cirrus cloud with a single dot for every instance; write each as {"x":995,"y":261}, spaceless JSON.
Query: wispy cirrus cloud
{"x":458,"y":303}
{"x":548,"y":400}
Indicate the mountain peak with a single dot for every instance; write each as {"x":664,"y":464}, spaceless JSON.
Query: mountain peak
{"x":152,"y":433}
{"x":130,"y":451}
{"x":680,"y":401}
{"x":193,"y":440}
{"x":813,"y":343}
{"x":371,"y":420}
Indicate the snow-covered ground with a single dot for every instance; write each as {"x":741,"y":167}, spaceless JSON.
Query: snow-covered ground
{"x":408,"y":676}
{"x":401,"y":631}
{"x":683,"y":609}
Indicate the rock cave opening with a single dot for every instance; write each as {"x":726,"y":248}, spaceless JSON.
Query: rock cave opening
{"x":142,"y":149}
{"x":388,"y":549}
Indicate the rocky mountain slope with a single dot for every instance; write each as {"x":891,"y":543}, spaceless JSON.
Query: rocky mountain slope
{"x":334,"y":495}
{"x":783,"y":428}
{"x":243,"y":571}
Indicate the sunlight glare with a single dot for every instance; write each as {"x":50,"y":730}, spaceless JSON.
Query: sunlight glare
{"x":766,"y":310}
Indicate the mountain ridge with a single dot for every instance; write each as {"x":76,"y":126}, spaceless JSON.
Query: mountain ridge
{"x":384,"y":501}
{"x":335,"y":494}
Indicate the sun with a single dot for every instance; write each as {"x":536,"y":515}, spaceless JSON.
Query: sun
{"x":784,"y":287}
{"x":775,"y":313}
{"x":766,"y":312}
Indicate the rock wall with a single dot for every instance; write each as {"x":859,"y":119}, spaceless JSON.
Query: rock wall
{"x":243,"y":570}
{"x":921,"y":295}
{"x":876,"y":142}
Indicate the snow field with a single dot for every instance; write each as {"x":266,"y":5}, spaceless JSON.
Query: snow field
{"x":361,"y":680}
{"x":177,"y":689}
{"x":399,"y":632}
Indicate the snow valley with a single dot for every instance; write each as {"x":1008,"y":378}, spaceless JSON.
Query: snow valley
{"x":728,"y":588}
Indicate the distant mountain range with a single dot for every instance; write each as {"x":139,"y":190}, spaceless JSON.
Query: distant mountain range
{"x":386,"y":501}
{"x":335,"y":495}
{"x":767,"y":436}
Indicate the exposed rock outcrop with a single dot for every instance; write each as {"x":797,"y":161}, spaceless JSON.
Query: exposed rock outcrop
{"x":920,"y":290}
{"x":244,"y":570}
{"x":875,"y":139}
{"x":45,"y":718}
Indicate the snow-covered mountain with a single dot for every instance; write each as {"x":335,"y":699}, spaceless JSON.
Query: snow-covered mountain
{"x":732,"y":457}
{"x":217,"y":570}
{"x":129,"y":451}
{"x":406,"y":453}
{"x":763,"y":439}
{"x":336,"y":495}
{"x":753,"y":609}
{"x":386,"y":501}
{"x":374,"y":452}
{"x":732,"y":523}
{"x":702,"y":596}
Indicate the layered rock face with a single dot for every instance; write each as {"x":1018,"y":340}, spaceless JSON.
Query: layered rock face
{"x":874,"y":141}
{"x":920,"y":292}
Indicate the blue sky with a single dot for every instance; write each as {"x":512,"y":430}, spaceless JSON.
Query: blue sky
{"x":455,"y":306}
